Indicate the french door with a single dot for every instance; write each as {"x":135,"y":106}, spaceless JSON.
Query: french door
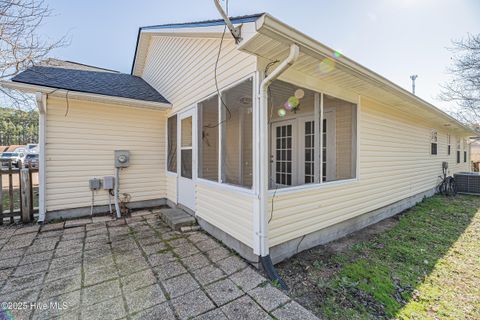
{"x":293,"y":153}
{"x":186,"y":158}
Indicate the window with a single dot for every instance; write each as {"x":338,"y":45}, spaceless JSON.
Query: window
{"x":448,"y":144}
{"x":458,"y":150}
{"x":172,"y":144}
{"x":433,"y":142}
{"x":186,"y":148}
{"x":237,"y":134}
{"x":302,"y":150}
{"x":465,"y":145}
{"x":208,"y":139}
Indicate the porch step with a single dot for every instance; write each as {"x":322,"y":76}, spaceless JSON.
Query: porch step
{"x":177,"y":218}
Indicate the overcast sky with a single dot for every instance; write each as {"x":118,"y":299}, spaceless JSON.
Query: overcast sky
{"x":395,"y":38}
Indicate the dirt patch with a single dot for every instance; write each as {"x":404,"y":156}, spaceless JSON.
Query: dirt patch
{"x":420,"y":264}
{"x":308,"y":273}
{"x":346,"y":243}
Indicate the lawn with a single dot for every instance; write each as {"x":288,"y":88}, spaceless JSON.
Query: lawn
{"x":16,"y":199}
{"x":422,"y":264}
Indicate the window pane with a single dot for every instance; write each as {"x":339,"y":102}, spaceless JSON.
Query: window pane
{"x":187,"y":132}
{"x":208,"y":139}
{"x":186,"y":160}
{"x":237,"y":134}
{"x":172,"y":144}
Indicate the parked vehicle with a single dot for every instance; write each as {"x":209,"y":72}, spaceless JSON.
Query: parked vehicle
{"x":31,"y":160}
{"x":15,"y":157}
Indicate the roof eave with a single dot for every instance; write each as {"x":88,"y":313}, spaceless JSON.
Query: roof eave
{"x":275,"y":28}
{"x":77,"y":95}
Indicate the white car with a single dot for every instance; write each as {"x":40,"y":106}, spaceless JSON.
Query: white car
{"x":15,"y":157}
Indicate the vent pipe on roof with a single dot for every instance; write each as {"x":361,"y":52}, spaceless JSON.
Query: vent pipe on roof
{"x":235,"y":31}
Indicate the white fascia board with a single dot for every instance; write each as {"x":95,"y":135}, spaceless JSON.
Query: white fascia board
{"x":271,"y":27}
{"x":85,"y":96}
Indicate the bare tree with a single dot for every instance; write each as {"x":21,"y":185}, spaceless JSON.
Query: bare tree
{"x":20,"y":44}
{"x":464,"y":88}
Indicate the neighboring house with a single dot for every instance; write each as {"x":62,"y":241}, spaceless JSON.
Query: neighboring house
{"x":326,"y":148}
{"x":475,"y":151}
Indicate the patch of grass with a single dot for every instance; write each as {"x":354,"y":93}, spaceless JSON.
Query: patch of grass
{"x":16,"y":199}
{"x":426,"y":266}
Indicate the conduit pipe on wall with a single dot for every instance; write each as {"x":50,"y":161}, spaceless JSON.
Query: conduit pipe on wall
{"x":262,"y":225}
{"x":117,"y":186}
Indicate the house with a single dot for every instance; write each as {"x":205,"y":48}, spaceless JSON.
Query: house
{"x":275,"y":142}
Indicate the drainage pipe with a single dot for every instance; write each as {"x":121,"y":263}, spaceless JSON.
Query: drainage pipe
{"x":115,"y":196}
{"x":41,"y":99}
{"x":261,"y":224}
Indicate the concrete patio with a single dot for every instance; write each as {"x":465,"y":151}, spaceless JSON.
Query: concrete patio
{"x":135,"y":268}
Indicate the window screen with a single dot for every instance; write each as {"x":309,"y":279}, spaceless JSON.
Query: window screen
{"x":172,"y":144}
{"x":237,"y":133}
{"x":208,"y":139}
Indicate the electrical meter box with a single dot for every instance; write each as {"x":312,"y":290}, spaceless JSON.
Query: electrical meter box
{"x":94,"y":184}
{"x":108,"y":182}
{"x":122,"y":158}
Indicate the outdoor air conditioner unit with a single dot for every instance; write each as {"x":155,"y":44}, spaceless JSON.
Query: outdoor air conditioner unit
{"x":467,"y":182}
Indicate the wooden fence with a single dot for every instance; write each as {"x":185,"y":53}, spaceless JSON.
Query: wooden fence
{"x":17,"y":196}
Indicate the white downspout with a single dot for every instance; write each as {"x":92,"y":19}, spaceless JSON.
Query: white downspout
{"x":263,"y":248}
{"x":41,"y":99}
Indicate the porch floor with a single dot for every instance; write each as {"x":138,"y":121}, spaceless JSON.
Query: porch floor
{"x":134,"y":268}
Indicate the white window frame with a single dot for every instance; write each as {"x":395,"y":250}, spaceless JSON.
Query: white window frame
{"x":225,"y":185}
{"x":433,"y":140}
{"x":319,"y":114}
{"x":170,"y":173}
{"x":449,"y":144}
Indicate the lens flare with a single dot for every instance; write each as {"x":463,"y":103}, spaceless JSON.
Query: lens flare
{"x":282,"y":112}
{"x":293,"y":102}
{"x":6,"y":314}
{"x":327,"y":65}
{"x":287,"y":106}
{"x":337,"y":54}
{"x":299,"y":94}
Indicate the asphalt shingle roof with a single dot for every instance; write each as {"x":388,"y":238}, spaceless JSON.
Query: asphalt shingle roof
{"x":104,"y":83}
{"x":206,"y":23}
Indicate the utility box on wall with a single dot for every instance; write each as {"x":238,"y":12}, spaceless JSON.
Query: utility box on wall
{"x":122,"y":158}
{"x":108,"y":182}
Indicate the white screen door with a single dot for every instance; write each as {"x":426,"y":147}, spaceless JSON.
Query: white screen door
{"x":186,"y":158}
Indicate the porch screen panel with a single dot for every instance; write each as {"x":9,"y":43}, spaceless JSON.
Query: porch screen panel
{"x":237,"y":133}
{"x":186,"y":148}
{"x":208,"y":139}
{"x":172,"y":144}
{"x":342,"y":164}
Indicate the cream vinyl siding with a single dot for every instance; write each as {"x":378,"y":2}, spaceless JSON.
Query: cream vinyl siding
{"x":228,"y":210}
{"x":80,"y":145}
{"x":172,"y":188}
{"x":395,"y":163}
{"x":182,"y":69}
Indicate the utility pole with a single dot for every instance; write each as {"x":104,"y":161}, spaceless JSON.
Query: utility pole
{"x":413,"y":77}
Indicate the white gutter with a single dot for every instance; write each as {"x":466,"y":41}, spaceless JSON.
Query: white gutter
{"x":261,"y":223}
{"x":277,"y":30}
{"x":41,"y":99}
{"x":76,"y":95}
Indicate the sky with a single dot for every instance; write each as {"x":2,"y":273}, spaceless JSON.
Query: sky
{"x":395,"y":38}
